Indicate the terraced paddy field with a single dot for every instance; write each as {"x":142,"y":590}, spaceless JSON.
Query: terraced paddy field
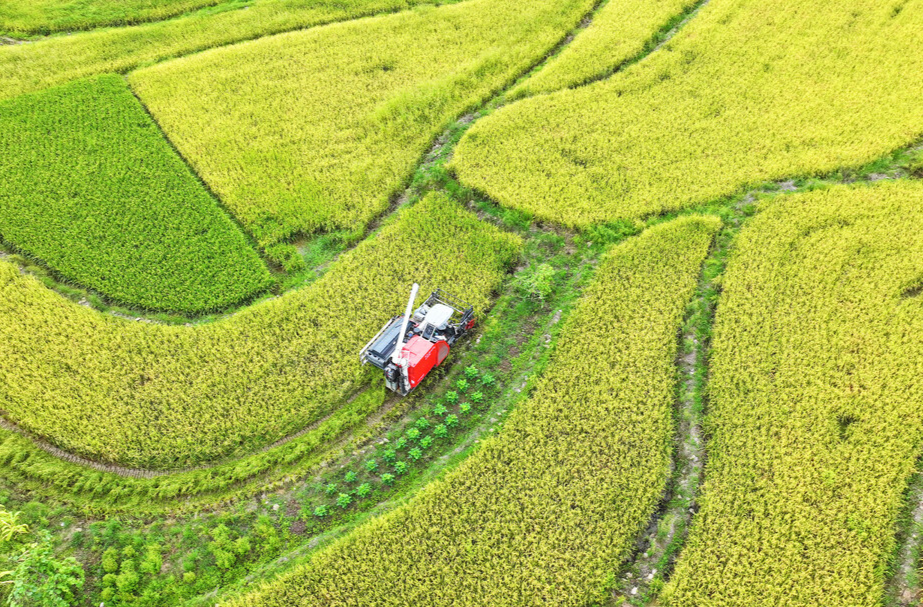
{"x":691,"y":234}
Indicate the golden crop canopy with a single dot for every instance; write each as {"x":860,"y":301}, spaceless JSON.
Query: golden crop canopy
{"x":748,"y":91}
{"x":815,"y":396}
{"x":157,"y":396}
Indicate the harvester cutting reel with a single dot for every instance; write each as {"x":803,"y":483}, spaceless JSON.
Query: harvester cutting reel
{"x":410,"y":346}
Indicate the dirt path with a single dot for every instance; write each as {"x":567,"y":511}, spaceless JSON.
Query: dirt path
{"x":903,"y":589}
{"x":657,"y":547}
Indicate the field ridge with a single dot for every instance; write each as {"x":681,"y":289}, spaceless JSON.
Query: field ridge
{"x":829,"y":447}
{"x":658,"y":38}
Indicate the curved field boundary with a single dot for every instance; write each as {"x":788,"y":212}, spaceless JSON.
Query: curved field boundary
{"x":549,"y":507}
{"x":60,"y":59}
{"x":662,"y":136}
{"x":89,"y":185}
{"x":318,"y":130}
{"x":814,"y":420}
{"x":619,"y":32}
{"x":31,"y":17}
{"x":142,"y":473}
{"x":34,"y":466}
{"x":154,"y":396}
{"x":642,"y":576}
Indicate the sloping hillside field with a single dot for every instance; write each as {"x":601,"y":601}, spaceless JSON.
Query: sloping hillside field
{"x":689,"y":234}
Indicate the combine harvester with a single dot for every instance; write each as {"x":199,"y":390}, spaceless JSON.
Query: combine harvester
{"x":409,"y":347}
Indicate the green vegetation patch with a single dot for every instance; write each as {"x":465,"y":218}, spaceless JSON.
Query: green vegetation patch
{"x":548,"y":509}
{"x":814,"y":411}
{"x":48,"y":16}
{"x":316,"y":130}
{"x":157,"y":396}
{"x":717,"y":108}
{"x":89,"y":185}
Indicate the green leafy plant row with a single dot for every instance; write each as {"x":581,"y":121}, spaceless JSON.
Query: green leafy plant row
{"x":427,"y":436}
{"x":545,"y":512}
{"x":159,"y":396}
{"x":619,"y":31}
{"x":47,"y":16}
{"x":56,"y":60}
{"x":318,"y":129}
{"x":815,"y":417}
{"x":89,"y":185}
{"x":717,"y":108}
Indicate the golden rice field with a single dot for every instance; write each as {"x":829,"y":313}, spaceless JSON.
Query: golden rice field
{"x":815,"y":399}
{"x":46,"y":16}
{"x":690,"y":233}
{"x":58,"y":59}
{"x":617,"y":34}
{"x":750,"y":91}
{"x":158,"y":396}
{"x":317,"y":130}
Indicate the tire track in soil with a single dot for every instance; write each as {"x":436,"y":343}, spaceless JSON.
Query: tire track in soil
{"x":51,"y":449}
{"x":142,"y":472}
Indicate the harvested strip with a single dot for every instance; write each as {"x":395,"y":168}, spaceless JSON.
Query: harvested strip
{"x":103,"y":490}
{"x":156,"y":396}
{"x":619,"y":31}
{"x":316,"y":130}
{"x":47,"y":16}
{"x":89,"y":185}
{"x":44,"y":63}
{"x":720,"y":106}
{"x":815,"y":393}
{"x":546,"y":511}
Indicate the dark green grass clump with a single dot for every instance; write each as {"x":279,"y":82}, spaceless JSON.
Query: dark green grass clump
{"x":89,"y":185}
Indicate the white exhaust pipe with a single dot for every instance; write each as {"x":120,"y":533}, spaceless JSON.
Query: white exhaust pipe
{"x":396,"y":357}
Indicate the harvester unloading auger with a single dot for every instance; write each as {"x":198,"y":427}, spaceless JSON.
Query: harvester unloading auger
{"x":409,"y":347}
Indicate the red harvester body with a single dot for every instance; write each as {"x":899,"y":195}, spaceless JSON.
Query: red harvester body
{"x":408,"y":348}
